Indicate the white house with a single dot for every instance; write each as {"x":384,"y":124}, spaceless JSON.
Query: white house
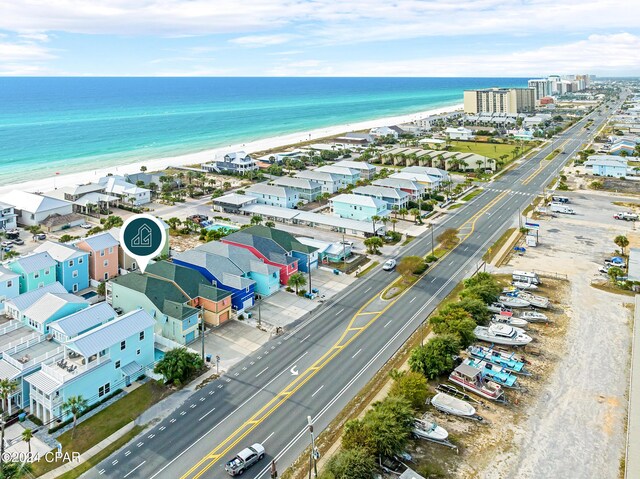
{"x":33,"y":209}
{"x":459,"y":133}
{"x":394,"y":197}
{"x":7,"y":217}
{"x":367,"y":170}
{"x":273,"y":195}
{"x":127,"y":192}
{"x":348,"y":176}
{"x":329,"y":182}
{"x":381,"y":131}
{"x":235,"y":162}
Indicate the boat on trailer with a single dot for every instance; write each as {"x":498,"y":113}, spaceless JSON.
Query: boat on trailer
{"x":498,"y":308}
{"x":472,"y":379}
{"x":495,"y":373}
{"x":524,"y":285}
{"x":534,"y":299}
{"x":514,"y":301}
{"x":534,"y":317}
{"x":425,"y":428}
{"x":510,"y":320}
{"x":454,"y":406}
{"x":509,"y":361}
{"x":502,"y":334}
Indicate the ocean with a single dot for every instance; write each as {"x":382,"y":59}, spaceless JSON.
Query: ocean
{"x":65,"y":125}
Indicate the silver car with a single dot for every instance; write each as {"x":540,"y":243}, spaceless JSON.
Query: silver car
{"x":389,"y":265}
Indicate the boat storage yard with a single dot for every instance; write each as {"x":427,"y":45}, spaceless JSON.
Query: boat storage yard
{"x":567,"y":418}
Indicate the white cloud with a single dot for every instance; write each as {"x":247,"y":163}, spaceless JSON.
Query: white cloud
{"x":254,"y":41}
{"x":37,"y":37}
{"x":10,"y":52}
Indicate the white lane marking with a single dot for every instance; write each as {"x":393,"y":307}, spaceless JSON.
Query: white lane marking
{"x":388,"y":323}
{"x":244,"y":368}
{"x":183,"y":413}
{"x":127,"y":453}
{"x":228,"y":380}
{"x":211,"y":393}
{"x":151,"y":436}
{"x":368,"y":289}
{"x":140,"y":444}
{"x":206,"y":414}
{"x":203,"y":399}
{"x":259,"y":357}
{"x":252,"y":363}
{"x":433,"y":279}
{"x":173,"y":420}
{"x":193,"y":405}
{"x":357,"y":352}
{"x":236,"y":374}
{"x":450,"y":262}
{"x":262,"y":371}
{"x":220,"y":386}
{"x":139,"y":465}
{"x":227,"y":417}
{"x":317,"y":391}
{"x":267,"y":438}
{"x":465,"y":249}
{"x":114,"y":462}
{"x":339,"y":311}
{"x":414,"y":298}
{"x":307,"y":337}
{"x":101,"y":471}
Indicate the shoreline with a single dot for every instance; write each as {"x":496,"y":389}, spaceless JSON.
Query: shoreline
{"x":290,"y":139}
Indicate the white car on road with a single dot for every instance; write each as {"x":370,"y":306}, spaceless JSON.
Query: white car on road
{"x":245,"y":459}
{"x":389,"y":265}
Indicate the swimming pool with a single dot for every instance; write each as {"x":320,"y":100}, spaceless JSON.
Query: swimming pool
{"x":221,"y":227}
{"x":89,"y":294}
{"x":158,"y":354}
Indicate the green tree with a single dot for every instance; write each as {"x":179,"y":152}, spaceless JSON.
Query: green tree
{"x":409,"y":266}
{"x":389,"y":422}
{"x":476,"y":308}
{"x":226,"y":185}
{"x":102,"y":288}
{"x":296,"y":280}
{"x":403,"y":212}
{"x":16,"y":470}
{"x":622,"y":241}
{"x":74,"y":405}
{"x":436,"y":356}
{"x":256,"y":220}
{"x":411,"y":386}
{"x":34,"y":230}
{"x":174,"y":222}
{"x":351,"y":464}
{"x":270,"y":224}
{"x":143,"y":168}
{"x":27,"y":434}
{"x":7,"y":389}
{"x":456,"y":321}
{"x":178,"y":365}
{"x":614,"y":273}
{"x":416,"y":214}
{"x":373,"y":244}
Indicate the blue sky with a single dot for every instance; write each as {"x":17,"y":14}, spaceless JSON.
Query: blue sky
{"x":319,"y":37}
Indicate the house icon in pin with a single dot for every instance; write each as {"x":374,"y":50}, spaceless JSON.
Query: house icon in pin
{"x":143,"y":238}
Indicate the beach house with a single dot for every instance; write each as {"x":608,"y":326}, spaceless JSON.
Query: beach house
{"x":237,"y":162}
{"x":367,"y":170}
{"x":414,"y":189}
{"x":50,"y":307}
{"x":264,"y":247}
{"x":9,"y":285}
{"x":608,"y":165}
{"x":103,"y":255}
{"x":328,"y":182}
{"x":72,"y":265}
{"x":622,"y":146}
{"x":273,"y":195}
{"x":382,"y":131}
{"x":346,"y":176}
{"x":128,"y":193}
{"x":36,"y":270}
{"x":15,"y":307}
{"x":358,"y":207}
{"x":32,"y":209}
{"x":7,"y":217}
{"x":95,"y":365}
{"x":395,"y":198}
{"x":84,"y":198}
{"x":307,"y":190}
{"x":459,"y":133}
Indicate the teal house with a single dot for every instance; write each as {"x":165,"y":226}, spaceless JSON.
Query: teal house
{"x":51,"y":307}
{"x":95,"y":364}
{"x":9,"y":285}
{"x":358,"y":207}
{"x":72,"y":265}
{"x":36,"y":270}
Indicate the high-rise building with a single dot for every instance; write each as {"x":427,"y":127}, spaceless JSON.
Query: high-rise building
{"x":540,"y":87}
{"x":500,"y":100}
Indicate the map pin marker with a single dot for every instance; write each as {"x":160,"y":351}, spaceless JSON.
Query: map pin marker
{"x":142,"y":237}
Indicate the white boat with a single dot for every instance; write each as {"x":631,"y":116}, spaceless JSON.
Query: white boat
{"x":472,"y":379}
{"x":425,"y":429}
{"x":534,"y":299}
{"x":514,"y":302}
{"x":454,"y":406}
{"x":498,"y":308}
{"x":510,"y":320}
{"x":502,"y":334}
{"x":524,"y":285}
{"x":534,"y":317}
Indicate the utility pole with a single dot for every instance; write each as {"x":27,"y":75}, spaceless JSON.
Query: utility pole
{"x":344,"y":254}
{"x":315,"y":455}
{"x":259,"y":313}
{"x":309,"y":270}
{"x":202,"y":329}
{"x":218,"y":364}
{"x":432,"y":246}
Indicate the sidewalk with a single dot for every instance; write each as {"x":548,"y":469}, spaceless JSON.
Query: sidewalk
{"x":632,"y":469}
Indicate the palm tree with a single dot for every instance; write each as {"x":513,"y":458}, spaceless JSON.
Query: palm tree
{"x":74,"y":405}
{"x":416,"y":213}
{"x":27,"y":434}
{"x":226,"y":185}
{"x":7,"y":389}
{"x":34,"y":230}
{"x":270,"y":224}
{"x":393,"y":222}
{"x":256,"y":219}
{"x":621,"y":241}
{"x":403,"y":212}
{"x":174,"y":223}
{"x":374,"y":219}
{"x":296,"y":280}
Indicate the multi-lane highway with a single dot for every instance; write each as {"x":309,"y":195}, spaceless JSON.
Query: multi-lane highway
{"x":334,"y":353}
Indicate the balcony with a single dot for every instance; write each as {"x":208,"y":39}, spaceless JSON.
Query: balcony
{"x":73,"y":365}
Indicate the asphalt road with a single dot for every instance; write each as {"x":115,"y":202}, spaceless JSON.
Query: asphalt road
{"x":316,"y":369}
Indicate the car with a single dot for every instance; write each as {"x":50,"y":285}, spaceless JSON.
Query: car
{"x":41,"y":236}
{"x":18,"y":241}
{"x":389,"y":265}
{"x":347,"y":243}
{"x":6,"y":244}
{"x":604,"y":269}
{"x":245,"y":459}
{"x":615,"y":261}
{"x":86,"y":226}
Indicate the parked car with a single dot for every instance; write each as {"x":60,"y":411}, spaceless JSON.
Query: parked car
{"x":604,"y":269}
{"x":347,"y":243}
{"x":244,"y":459}
{"x":389,"y":265}
{"x":86,"y":226}
{"x":615,"y":261}
{"x":41,"y":236}
{"x":6,"y":244}
{"x":626,"y":216}
{"x":18,"y":241}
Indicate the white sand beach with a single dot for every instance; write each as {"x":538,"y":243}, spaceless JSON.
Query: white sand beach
{"x":48,"y":184}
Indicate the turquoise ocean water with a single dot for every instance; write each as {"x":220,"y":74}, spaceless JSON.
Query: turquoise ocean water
{"x":63,"y":125}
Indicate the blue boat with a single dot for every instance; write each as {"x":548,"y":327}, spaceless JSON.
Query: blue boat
{"x":509,"y":361}
{"x":494,"y":373}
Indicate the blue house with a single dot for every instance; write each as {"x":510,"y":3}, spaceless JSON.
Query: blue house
{"x":608,"y":165}
{"x":49,"y":308}
{"x":94,"y":364}
{"x":15,"y":307}
{"x":36,"y":270}
{"x":9,"y":285}
{"x":72,"y":265}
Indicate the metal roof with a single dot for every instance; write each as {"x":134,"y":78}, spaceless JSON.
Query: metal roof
{"x":398,"y":183}
{"x":467,"y":370}
{"x":35,"y":262}
{"x":338,"y":170}
{"x":234,"y":199}
{"x":240,"y":257}
{"x":100,"y":241}
{"x":49,"y":304}
{"x":360,"y":200}
{"x":380,"y":191}
{"x":221,"y":266}
{"x":317,"y":175}
{"x":113,"y":332}
{"x":8,"y":371}
{"x":427,"y":170}
{"x":302,"y":183}
{"x":43,"y":382}
{"x":264,"y":189}
{"x":33,"y":203}
{"x":25,"y":300}
{"x":79,"y":322}
{"x":59,"y":251}
{"x":6,"y":274}
{"x":356,"y":165}
{"x":131,"y":368}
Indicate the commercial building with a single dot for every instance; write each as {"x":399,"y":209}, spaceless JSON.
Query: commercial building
{"x":540,"y":88}
{"x":500,"y":100}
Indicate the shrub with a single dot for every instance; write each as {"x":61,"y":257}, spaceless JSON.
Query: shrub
{"x":351,"y":464}
{"x":178,"y":365}
{"x":411,"y":386}
{"x":435,"y":357}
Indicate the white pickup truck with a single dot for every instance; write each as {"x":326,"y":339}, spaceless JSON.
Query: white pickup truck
{"x":626,"y":216}
{"x":560,"y":208}
{"x":244,"y":459}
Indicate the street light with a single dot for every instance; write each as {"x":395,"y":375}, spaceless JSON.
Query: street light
{"x":315,"y":454}
{"x":431,"y":226}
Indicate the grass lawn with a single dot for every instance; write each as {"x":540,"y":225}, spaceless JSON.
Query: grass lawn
{"x":368,"y":268}
{"x":408,"y":240}
{"x":472,"y":195}
{"x":455,"y":206}
{"x":106,"y":422}
{"x":398,"y":286}
{"x":497,"y":246}
{"x":490,"y":150}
